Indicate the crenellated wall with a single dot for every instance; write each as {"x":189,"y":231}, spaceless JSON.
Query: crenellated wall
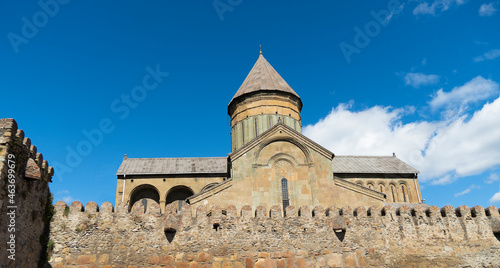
{"x":224,"y":237}
{"x":215,"y":236}
{"x":25,"y":200}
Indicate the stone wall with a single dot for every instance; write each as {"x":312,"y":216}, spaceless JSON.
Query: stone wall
{"x":25,"y":200}
{"x":217,"y":237}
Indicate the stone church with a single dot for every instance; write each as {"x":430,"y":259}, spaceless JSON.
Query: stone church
{"x":270,"y":162}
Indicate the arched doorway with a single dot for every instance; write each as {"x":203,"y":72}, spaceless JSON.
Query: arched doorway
{"x":146,"y":194}
{"x":177,"y":196}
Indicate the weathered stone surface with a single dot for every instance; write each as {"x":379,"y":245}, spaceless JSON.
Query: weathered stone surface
{"x":30,"y":175}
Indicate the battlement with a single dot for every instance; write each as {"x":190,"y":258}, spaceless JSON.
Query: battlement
{"x":350,"y":236}
{"x":432,"y":213}
{"x":24,"y":197}
{"x":29,"y":162}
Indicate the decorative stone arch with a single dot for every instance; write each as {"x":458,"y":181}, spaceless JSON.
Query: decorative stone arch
{"x":359,"y":182}
{"x":267,"y":142}
{"x":370,"y":185}
{"x":177,"y":195}
{"x":144,"y":192}
{"x":282,"y":156}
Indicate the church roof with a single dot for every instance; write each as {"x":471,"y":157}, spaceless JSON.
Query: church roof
{"x":263,"y":77}
{"x":370,"y":164}
{"x":156,"y":166}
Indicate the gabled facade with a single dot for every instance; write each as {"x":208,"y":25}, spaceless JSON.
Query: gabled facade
{"x":271,"y":162}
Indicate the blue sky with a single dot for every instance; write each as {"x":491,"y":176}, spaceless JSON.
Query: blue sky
{"x":418,"y":78}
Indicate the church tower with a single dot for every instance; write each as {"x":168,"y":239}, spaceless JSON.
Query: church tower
{"x":263,"y":100}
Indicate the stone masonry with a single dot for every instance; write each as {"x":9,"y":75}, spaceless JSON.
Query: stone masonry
{"x":25,"y":200}
{"x":223,"y":237}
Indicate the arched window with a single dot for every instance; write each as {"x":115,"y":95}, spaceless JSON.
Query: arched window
{"x":393,"y":195}
{"x":255,"y":126}
{"x":381,"y":188}
{"x":284,"y":193}
{"x":178,"y":194}
{"x":143,"y":193}
{"x":242,"y":134}
{"x":404,"y":192}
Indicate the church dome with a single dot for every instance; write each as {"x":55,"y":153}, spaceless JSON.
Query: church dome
{"x":263,"y":77}
{"x":263,"y":100}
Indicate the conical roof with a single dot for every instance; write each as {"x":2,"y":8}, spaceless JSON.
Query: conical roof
{"x":263,"y":77}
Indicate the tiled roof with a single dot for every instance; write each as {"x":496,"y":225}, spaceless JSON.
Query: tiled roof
{"x":194,"y":165}
{"x":263,"y":77}
{"x":370,"y":164}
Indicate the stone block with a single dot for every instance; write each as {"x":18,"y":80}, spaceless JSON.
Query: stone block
{"x":300,"y":262}
{"x":84,"y":259}
{"x":249,"y":263}
{"x":335,"y":260}
{"x":281,"y":263}
{"x":261,"y":263}
{"x":288,"y":254}
{"x":264,"y":255}
{"x":103,"y":259}
{"x":194,"y":264}
{"x":154,"y":260}
{"x":321,"y":262}
{"x":361,"y":258}
{"x":350,"y":260}
{"x":166,"y":259}
{"x":270,"y":263}
{"x":203,"y":257}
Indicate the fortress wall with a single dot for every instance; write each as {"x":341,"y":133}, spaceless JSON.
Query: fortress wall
{"x":25,"y":201}
{"x":93,"y":236}
{"x":224,"y":237}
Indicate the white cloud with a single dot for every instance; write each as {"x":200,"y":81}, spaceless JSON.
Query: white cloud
{"x":466,"y":191}
{"x":419,"y":79}
{"x":68,"y":199}
{"x":487,"y":9}
{"x":495,"y":198}
{"x":492,"y":178}
{"x":437,"y":5}
{"x":490,"y":55}
{"x":456,"y":101}
{"x":443,"y":150}
{"x":447,"y":179}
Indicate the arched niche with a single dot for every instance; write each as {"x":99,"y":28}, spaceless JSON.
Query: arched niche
{"x":144,"y":193}
{"x":177,"y":195}
{"x":304,"y":157}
